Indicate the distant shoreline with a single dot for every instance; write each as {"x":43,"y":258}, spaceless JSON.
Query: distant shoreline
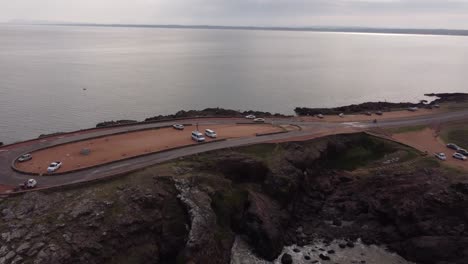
{"x":406,"y":31}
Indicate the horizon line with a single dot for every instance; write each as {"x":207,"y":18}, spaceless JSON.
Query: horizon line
{"x":344,"y":29}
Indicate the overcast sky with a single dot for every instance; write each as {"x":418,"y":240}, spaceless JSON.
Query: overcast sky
{"x":374,"y":13}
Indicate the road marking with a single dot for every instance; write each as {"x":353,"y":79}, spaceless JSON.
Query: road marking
{"x":118,"y":166}
{"x":3,"y":150}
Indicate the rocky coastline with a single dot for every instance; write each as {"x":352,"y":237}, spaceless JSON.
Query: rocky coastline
{"x":191,"y":210}
{"x":302,"y":111}
{"x":384,"y":106}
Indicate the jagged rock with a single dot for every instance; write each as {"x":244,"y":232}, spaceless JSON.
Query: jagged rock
{"x":35,"y":248}
{"x":324,"y":257}
{"x":286,"y":259}
{"x":241,"y":168}
{"x":23,"y":248}
{"x":10,"y":255}
{"x":17,"y":260}
{"x":263,"y":224}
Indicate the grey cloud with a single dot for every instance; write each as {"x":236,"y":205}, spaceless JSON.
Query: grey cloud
{"x":427,"y":13}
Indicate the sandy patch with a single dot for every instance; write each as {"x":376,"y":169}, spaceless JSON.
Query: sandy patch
{"x":5,"y":188}
{"x":117,"y":147}
{"x":362,"y":118}
{"x":428,"y":140}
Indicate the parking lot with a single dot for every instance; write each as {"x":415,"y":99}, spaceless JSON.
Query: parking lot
{"x":117,"y":147}
{"x":427,"y":140}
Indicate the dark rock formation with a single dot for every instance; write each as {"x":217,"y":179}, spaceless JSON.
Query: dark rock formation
{"x":212,"y":112}
{"x":115,"y":123}
{"x":141,"y":225}
{"x":355,"y":108}
{"x":263,"y":224}
{"x":286,"y":259}
{"x":299,"y":193}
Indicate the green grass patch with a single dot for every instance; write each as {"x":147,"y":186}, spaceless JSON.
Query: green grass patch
{"x":399,"y":130}
{"x":457,"y":134}
{"x":358,"y":153}
{"x":264,"y":152}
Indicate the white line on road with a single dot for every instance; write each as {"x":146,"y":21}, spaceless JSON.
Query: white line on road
{"x":118,"y":166}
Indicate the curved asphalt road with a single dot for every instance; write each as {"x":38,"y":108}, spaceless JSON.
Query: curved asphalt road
{"x":310,"y":129}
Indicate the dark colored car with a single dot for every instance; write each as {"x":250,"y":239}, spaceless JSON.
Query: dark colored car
{"x":463,"y":151}
{"x":453,"y":146}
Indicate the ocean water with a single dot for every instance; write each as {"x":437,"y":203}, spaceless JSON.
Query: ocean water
{"x":59,"y":78}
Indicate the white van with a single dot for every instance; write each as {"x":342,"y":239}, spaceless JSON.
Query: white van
{"x":197,"y":136}
{"x":210,"y":133}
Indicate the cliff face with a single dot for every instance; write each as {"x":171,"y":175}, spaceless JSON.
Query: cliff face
{"x":340,"y":187}
{"x":110,"y":225}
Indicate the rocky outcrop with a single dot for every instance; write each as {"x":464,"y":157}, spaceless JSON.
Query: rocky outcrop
{"x":115,"y":123}
{"x":202,"y":245}
{"x":212,"y":112}
{"x":139,"y":225}
{"x":263,"y":224}
{"x":355,"y":108}
{"x":297,"y":195}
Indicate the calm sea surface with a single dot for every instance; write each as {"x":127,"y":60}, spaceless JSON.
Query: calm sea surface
{"x":133,"y":73}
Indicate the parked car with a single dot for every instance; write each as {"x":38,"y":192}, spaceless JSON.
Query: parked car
{"x":25,"y":157}
{"x":259,"y":120}
{"x":29,"y":184}
{"x":368,"y":113}
{"x":250,"y":117}
{"x":341,"y":115}
{"x":178,"y":126}
{"x":453,"y":146}
{"x":210,"y":133}
{"x":54,"y":166}
{"x":413,"y":109}
{"x":441,"y":156}
{"x":379,"y":113}
{"x":320,"y":116}
{"x":459,"y":156}
{"x":437,"y":106}
{"x":197,"y":136}
{"x":463,"y":151}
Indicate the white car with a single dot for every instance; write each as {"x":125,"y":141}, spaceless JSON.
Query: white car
{"x":31,"y":183}
{"x":250,"y":117}
{"x":320,"y":116}
{"x":341,"y":115}
{"x":459,"y":156}
{"x":25,"y":157}
{"x":178,"y":126}
{"x":413,"y":109}
{"x":210,"y":133}
{"x":54,"y":166}
{"x":259,"y":120}
{"x":441,"y":156}
{"x":197,"y":136}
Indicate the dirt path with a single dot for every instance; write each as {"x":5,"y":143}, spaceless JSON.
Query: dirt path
{"x":117,"y":147}
{"x":363,"y":118}
{"x":428,"y":140}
